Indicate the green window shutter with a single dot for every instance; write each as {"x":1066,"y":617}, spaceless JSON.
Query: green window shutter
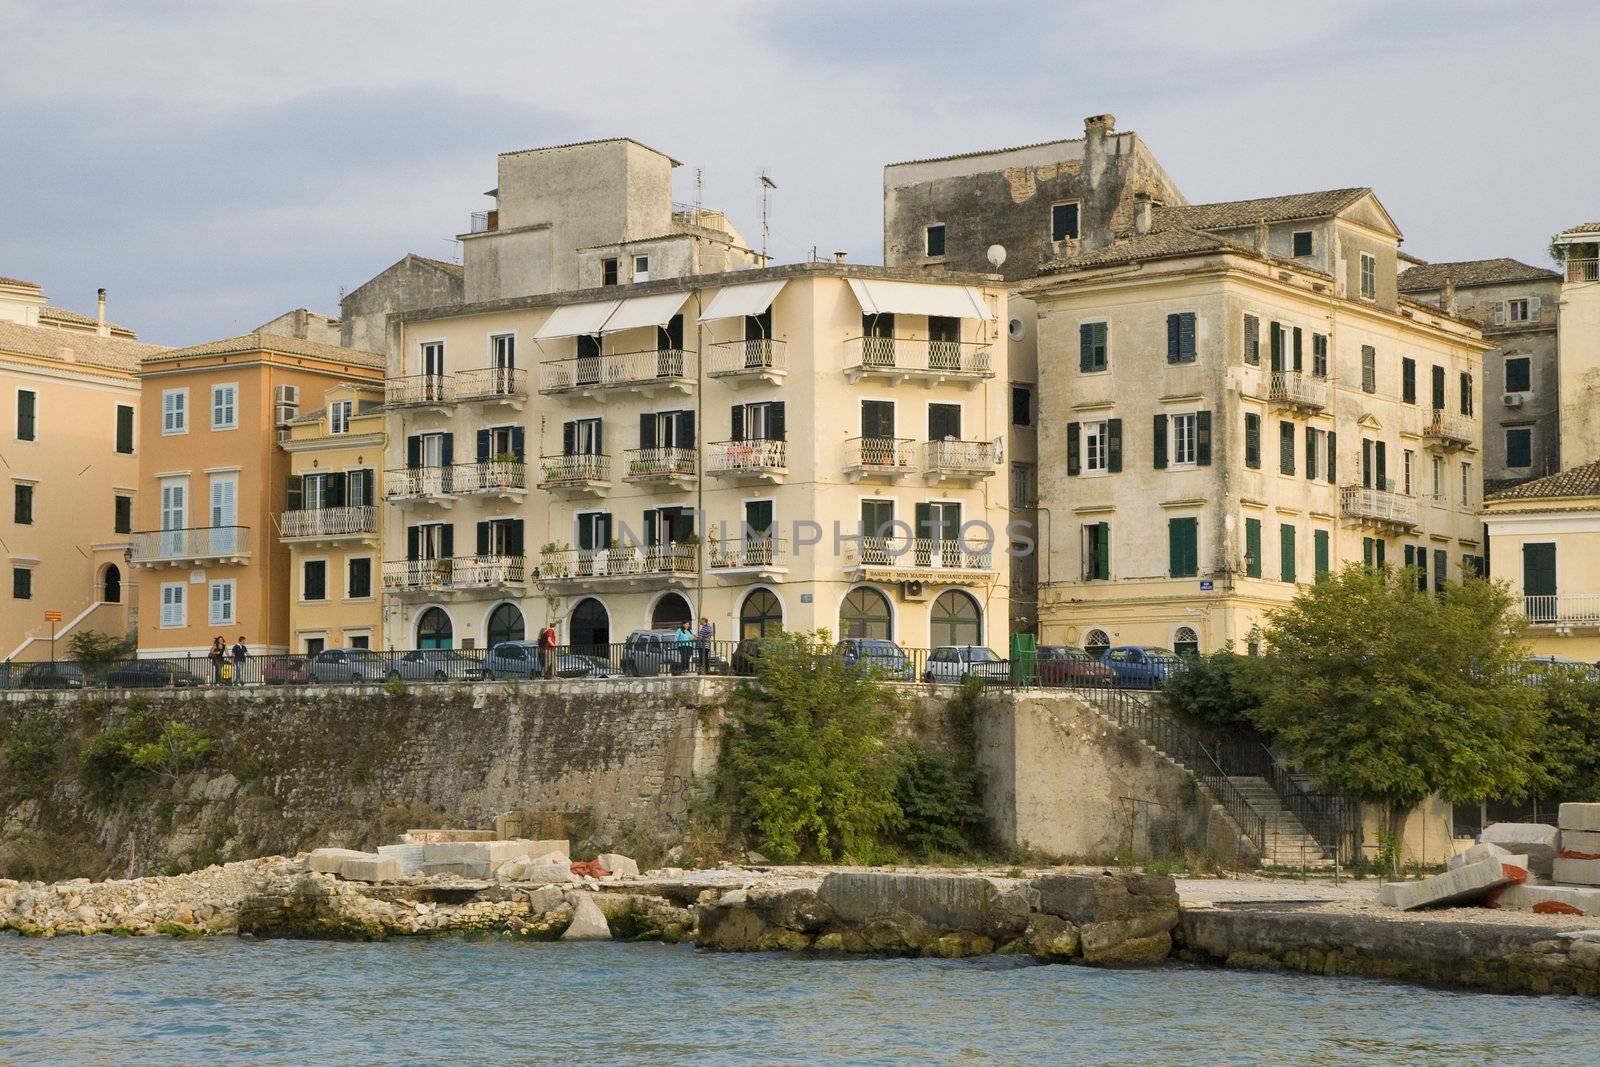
{"x":1411,"y":556}
{"x":1160,"y":442}
{"x":1275,"y":346}
{"x":1102,"y":560}
{"x":1202,"y":438}
{"x":1172,"y":338}
{"x":1252,"y":340}
{"x":1086,"y":346}
{"x":1252,"y":440}
{"x":1286,"y":447}
{"x":1539,"y":569}
{"x":1441,"y":566}
{"x":1311,"y":453}
{"x":1333,"y":457}
{"x":1378,"y":549}
{"x":1286,"y":548}
{"x":1252,"y":548}
{"x":1381,"y":481}
{"x":1367,"y":556}
{"x":1297,"y":343}
{"x":1183,"y":547}
{"x":1072,"y":448}
{"x":1422,"y":569}
{"x":1113,"y":445}
{"x":1319,"y":549}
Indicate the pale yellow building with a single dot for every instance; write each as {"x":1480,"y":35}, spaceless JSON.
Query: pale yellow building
{"x":70,"y":446}
{"x":330,"y":520}
{"x":1233,"y":400}
{"x":1579,"y":343}
{"x":1544,"y":541}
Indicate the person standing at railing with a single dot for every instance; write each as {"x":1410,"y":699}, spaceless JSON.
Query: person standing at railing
{"x":703,"y":640}
{"x":547,"y":651}
{"x":241,"y":652}
{"x":219,"y":652}
{"x":685,"y":642}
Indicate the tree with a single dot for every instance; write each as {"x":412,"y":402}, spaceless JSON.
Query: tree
{"x":1565,"y":754}
{"x":1391,"y":694}
{"x":1217,"y":691}
{"x":810,"y":762}
{"x":93,"y":648}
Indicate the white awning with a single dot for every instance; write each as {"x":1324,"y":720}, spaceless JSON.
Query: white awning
{"x":572,"y":320}
{"x":737,"y":301}
{"x":919,"y":298}
{"x":637,"y":311}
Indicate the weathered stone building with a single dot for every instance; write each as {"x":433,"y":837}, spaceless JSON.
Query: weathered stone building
{"x":1580,"y":344}
{"x":412,"y":283}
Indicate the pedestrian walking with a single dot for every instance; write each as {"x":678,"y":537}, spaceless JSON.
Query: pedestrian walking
{"x":219,"y":652}
{"x":241,"y":652}
{"x":685,"y":642}
{"x":703,"y":639}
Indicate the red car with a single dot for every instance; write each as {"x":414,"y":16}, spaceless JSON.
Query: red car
{"x":286,"y":670}
{"x":1066,"y":665}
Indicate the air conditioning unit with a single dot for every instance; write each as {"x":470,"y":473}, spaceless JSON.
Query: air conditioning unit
{"x":913,"y":591}
{"x":1512,"y":400}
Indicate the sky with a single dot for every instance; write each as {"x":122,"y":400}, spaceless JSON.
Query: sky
{"x":215,"y":164}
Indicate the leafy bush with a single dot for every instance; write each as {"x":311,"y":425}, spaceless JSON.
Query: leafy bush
{"x":140,"y":749}
{"x":1218,"y":690}
{"x":937,"y":793}
{"x":1566,"y":757}
{"x":31,"y":755}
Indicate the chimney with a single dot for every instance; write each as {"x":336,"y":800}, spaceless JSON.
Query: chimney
{"x":1141,"y":212}
{"x":1095,"y":129}
{"x":101,"y":328}
{"x":838,"y":257}
{"x":300,"y":323}
{"x":1261,"y":235}
{"x":1447,"y":299}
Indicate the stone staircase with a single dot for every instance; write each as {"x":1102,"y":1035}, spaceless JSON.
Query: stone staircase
{"x":1288,"y":844}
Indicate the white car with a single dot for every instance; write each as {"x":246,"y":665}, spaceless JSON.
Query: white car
{"x":949,"y":664}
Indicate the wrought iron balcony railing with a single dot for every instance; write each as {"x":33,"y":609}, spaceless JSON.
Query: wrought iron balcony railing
{"x":191,"y":545}
{"x":349,"y":521}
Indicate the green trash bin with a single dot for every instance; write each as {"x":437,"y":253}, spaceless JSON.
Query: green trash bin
{"x":1024,"y":659}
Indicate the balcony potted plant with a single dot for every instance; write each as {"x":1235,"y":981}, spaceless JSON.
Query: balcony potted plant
{"x":553,"y":562}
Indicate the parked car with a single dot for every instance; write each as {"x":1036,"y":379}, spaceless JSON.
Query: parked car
{"x":876,"y":652}
{"x":949,"y":664}
{"x":348,"y":665}
{"x":286,"y":670}
{"x":647,"y":653}
{"x":745,"y":655}
{"x":53,"y":676}
{"x":1067,"y":665}
{"x":577,"y":665}
{"x":152,"y":674}
{"x":512,"y":659}
{"x":1142,"y":666}
{"x":436,"y":665}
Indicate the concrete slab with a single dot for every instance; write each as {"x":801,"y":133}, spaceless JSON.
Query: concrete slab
{"x":410,"y":857}
{"x":1549,"y":899}
{"x":1579,"y":817}
{"x":370,"y":869}
{"x":493,"y":853}
{"x":1580,"y":844}
{"x":433,"y":837}
{"x":465,"y":869}
{"x":1482,"y":851}
{"x":1464,"y":885}
{"x":948,"y":902}
{"x":328,"y":860}
{"x":1576,"y":872}
{"x":1538,"y":842}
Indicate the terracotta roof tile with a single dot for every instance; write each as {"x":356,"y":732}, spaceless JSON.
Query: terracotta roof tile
{"x":1234,"y":213}
{"x":267,"y":342}
{"x":1575,"y":481}
{"x":70,"y":346}
{"x":1471,"y":272}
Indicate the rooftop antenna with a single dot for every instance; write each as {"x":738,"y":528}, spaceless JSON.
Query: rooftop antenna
{"x":767,"y":185}
{"x":699,"y":193}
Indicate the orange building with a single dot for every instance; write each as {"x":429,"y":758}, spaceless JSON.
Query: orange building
{"x":212,"y":477}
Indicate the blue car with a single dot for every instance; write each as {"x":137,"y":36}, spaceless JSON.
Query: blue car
{"x":885,"y":656}
{"x":1141,"y":666}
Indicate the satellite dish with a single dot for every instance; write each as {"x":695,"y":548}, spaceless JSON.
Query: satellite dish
{"x":997,"y":256}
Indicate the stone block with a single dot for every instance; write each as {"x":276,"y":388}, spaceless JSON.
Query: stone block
{"x":328,"y":860}
{"x":557,"y":856}
{"x":493,"y":853}
{"x":545,"y":898}
{"x":588,"y":921}
{"x":1464,"y":885}
{"x":434,"y":837}
{"x":370,"y":868}
{"x":949,"y":902}
{"x":464,"y":869}
{"x":1481,"y":851}
{"x":1576,"y":872}
{"x":1086,"y":898}
{"x":1584,"y":817}
{"x":548,"y":874}
{"x":1130,"y":952}
{"x":618,"y":864}
{"x":1580,"y":844}
{"x":410,"y":857}
{"x":1550,"y":899}
{"x":1538,"y":842}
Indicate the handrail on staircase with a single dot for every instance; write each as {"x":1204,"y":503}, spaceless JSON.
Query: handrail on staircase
{"x":1332,"y":820}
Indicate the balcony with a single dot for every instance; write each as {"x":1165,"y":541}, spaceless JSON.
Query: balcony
{"x":459,"y":575}
{"x":491,"y":385}
{"x":667,"y":468}
{"x":1583,"y":270}
{"x":196,"y":544}
{"x":896,"y":359}
{"x":1447,"y":433}
{"x":748,"y":461}
{"x":630,"y":566}
{"x":506,"y":479}
{"x":743,"y":362}
{"x":650,"y":373}
{"x":1379,"y":509}
{"x":968,"y":462}
{"x":436,"y":391}
{"x":1565,"y":610}
{"x":886,"y":458}
{"x":328,"y":526}
{"x":577,"y":475}
{"x":919,"y":559}
{"x":1298,"y":392}
{"x":753,"y":558}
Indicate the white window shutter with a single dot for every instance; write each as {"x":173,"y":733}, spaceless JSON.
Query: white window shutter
{"x":1499,"y":316}
{"x":1533,"y":309}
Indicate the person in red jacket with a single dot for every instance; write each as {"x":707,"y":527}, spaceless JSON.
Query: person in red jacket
{"x":547,"y":651}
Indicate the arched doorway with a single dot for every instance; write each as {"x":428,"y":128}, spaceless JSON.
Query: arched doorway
{"x":1185,"y":641}
{"x":505,"y":624}
{"x":956,"y":619}
{"x":1096,"y":642}
{"x":761,"y":615}
{"x":434,"y":629}
{"x":589,"y":629}
{"x":669,"y":611}
{"x":111,"y":585}
{"x":865,"y":613}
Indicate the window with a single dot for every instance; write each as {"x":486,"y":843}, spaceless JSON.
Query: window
{"x":22,"y":505}
{"x":933,"y":240}
{"x":360,"y":640}
{"x":1468,"y":497}
{"x":1183,"y":547}
{"x":955,"y":619}
{"x":865,"y":613}
{"x":358,"y":578}
{"x":1064,"y":221}
{"x":1319,"y":355}
{"x":503,"y":351}
{"x":1438,"y":388}
{"x":1369,"y":369}
{"x":1252,"y":340}
{"x":1369,"y":276}
{"x":1021,"y":405}
{"x":1313,"y":436}
{"x":1286,"y":551}
{"x":1286,"y":437}
{"x":1096,"y":551}
{"x":1438,"y":477}
{"x":1093,"y":354}
{"x":608,"y":271}
{"x":314,"y":584}
{"x":641,"y":268}
{"x":21,"y":583}
{"x":1183,"y":439}
{"x":1189,"y":441}
{"x":1517,"y":310}
{"x":1302,"y":242}
{"x":583,"y":437}
{"x":759,"y":422}
{"x":1408,"y":380}
{"x":175,"y":411}
{"x":122,"y":514}
{"x":27,"y":415}
{"x":1408,"y":463}
{"x":1252,"y":440}
{"x":125,"y":429}
{"x":224,"y":407}
{"x":1519,"y":447}
{"x":1252,"y":548}
{"x":1441,"y":565}
{"x":1024,"y":485}
{"x":339,"y":416}
{"x":173,"y":606}
{"x":1185,"y":642}
{"x":1464,"y":384}
{"x":1319,"y":552}
{"x":221,"y":603}
{"x":1180,"y":337}
{"x":1519,"y":374}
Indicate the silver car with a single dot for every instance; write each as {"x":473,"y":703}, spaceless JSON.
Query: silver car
{"x":949,"y":664}
{"x":436,"y":665}
{"x":348,"y":665}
